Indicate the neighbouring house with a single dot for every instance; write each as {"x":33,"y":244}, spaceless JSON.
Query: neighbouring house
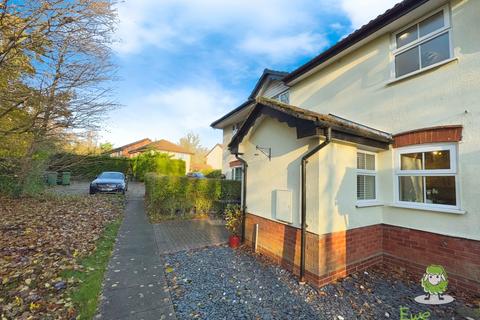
{"x":123,"y":151}
{"x":214,"y":157}
{"x":368,"y":154}
{"x":165,"y":146}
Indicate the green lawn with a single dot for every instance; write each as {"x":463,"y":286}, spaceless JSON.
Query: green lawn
{"x":86,"y":295}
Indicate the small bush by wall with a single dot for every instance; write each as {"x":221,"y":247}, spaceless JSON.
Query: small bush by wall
{"x":159,"y":163}
{"x":167,"y":196}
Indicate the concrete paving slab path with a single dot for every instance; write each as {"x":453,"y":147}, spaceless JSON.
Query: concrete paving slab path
{"x":135,"y":286}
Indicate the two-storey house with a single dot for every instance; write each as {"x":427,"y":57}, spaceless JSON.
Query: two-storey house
{"x":368,"y":154}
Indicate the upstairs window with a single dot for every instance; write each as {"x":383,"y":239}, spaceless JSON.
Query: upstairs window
{"x":366,"y":177}
{"x":427,"y":176}
{"x":424,"y":44}
{"x":283,"y":97}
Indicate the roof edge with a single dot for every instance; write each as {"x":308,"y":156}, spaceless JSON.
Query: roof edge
{"x":232,"y":112}
{"x":381,"y":21}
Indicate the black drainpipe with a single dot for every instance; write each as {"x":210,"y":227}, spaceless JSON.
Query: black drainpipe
{"x":244,"y":193}
{"x":328,"y":138}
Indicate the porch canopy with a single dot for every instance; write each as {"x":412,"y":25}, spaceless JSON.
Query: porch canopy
{"x":309,"y":124}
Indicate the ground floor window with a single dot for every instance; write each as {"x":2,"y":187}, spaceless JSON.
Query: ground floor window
{"x":427,"y":175}
{"x":366,"y":176}
{"x":237,"y":173}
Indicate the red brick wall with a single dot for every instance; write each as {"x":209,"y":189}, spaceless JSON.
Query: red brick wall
{"x":332,"y":256}
{"x":428,"y":135}
{"x":328,"y":257}
{"x":413,"y":250}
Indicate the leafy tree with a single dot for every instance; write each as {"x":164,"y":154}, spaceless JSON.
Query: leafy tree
{"x":105,"y":147}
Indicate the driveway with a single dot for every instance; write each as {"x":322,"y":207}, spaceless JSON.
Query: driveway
{"x":174,"y":236}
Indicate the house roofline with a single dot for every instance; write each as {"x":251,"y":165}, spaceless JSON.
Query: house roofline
{"x":267,"y":73}
{"x":154,"y":145}
{"x":128,"y":145}
{"x":218,"y":144}
{"x":231,"y":113}
{"x":381,"y":21}
{"x":309,"y":123}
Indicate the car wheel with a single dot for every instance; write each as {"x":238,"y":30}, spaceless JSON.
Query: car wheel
{"x":92,"y":192}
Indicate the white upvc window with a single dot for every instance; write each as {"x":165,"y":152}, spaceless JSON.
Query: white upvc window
{"x":366,"y":177}
{"x":237,"y":173}
{"x":283,"y":97}
{"x":422,"y":45}
{"x":427,"y":177}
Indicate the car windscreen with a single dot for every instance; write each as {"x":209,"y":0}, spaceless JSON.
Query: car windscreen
{"x":111,"y":175}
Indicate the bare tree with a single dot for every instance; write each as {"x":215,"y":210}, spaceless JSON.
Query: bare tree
{"x":60,"y":57}
{"x":192,"y":143}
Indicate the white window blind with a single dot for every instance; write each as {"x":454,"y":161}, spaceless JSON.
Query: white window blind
{"x":366,"y":177}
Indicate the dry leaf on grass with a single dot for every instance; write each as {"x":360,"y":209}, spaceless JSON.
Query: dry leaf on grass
{"x":40,"y":238}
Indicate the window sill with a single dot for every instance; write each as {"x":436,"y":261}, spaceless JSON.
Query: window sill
{"x":367,"y":204}
{"x":433,"y":66}
{"x":426,"y":208}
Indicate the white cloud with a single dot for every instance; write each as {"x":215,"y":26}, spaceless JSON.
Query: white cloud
{"x":171,"y":113}
{"x":169,"y":24}
{"x":361,"y":12}
{"x":283,"y":48}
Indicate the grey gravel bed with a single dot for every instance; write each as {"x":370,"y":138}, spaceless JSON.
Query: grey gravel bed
{"x":221,"y":283}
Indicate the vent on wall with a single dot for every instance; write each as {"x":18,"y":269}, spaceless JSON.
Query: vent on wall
{"x":283,"y":205}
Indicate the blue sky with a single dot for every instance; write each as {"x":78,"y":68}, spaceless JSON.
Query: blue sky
{"x":184,"y":63}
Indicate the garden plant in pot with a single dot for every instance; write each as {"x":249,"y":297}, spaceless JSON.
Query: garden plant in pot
{"x":233,"y":218}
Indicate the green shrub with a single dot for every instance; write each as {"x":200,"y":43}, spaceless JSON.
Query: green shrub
{"x":212,"y":174}
{"x":10,"y":182}
{"x":233,"y":217}
{"x":167,"y":196}
{"x":159,"y":163}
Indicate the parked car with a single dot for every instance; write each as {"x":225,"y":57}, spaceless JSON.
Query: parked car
{"x":109,"y":182}
{"x":196,"y":175}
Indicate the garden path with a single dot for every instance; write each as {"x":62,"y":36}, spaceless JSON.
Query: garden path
{"x":134,"y":286}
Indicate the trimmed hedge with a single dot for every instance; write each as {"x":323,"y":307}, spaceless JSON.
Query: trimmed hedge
{"x":212,"y":174}
{"x":167,"y":196}
{"x":88,"y":167}
{"x":159,"y":163}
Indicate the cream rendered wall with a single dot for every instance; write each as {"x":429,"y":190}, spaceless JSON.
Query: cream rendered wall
{"x":269,"y":90}
{"x":215,"y":157}
{"x":355,"y":87}
{"x":331,"y":179}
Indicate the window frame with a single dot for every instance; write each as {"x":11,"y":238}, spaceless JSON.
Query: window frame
{"x":283,"y":93}
{"x":235,"y":128}
{"x":453,"y":171}
{"x":241,"y":173}
{"x":366,"y":172}
{"x":447,"y":28}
